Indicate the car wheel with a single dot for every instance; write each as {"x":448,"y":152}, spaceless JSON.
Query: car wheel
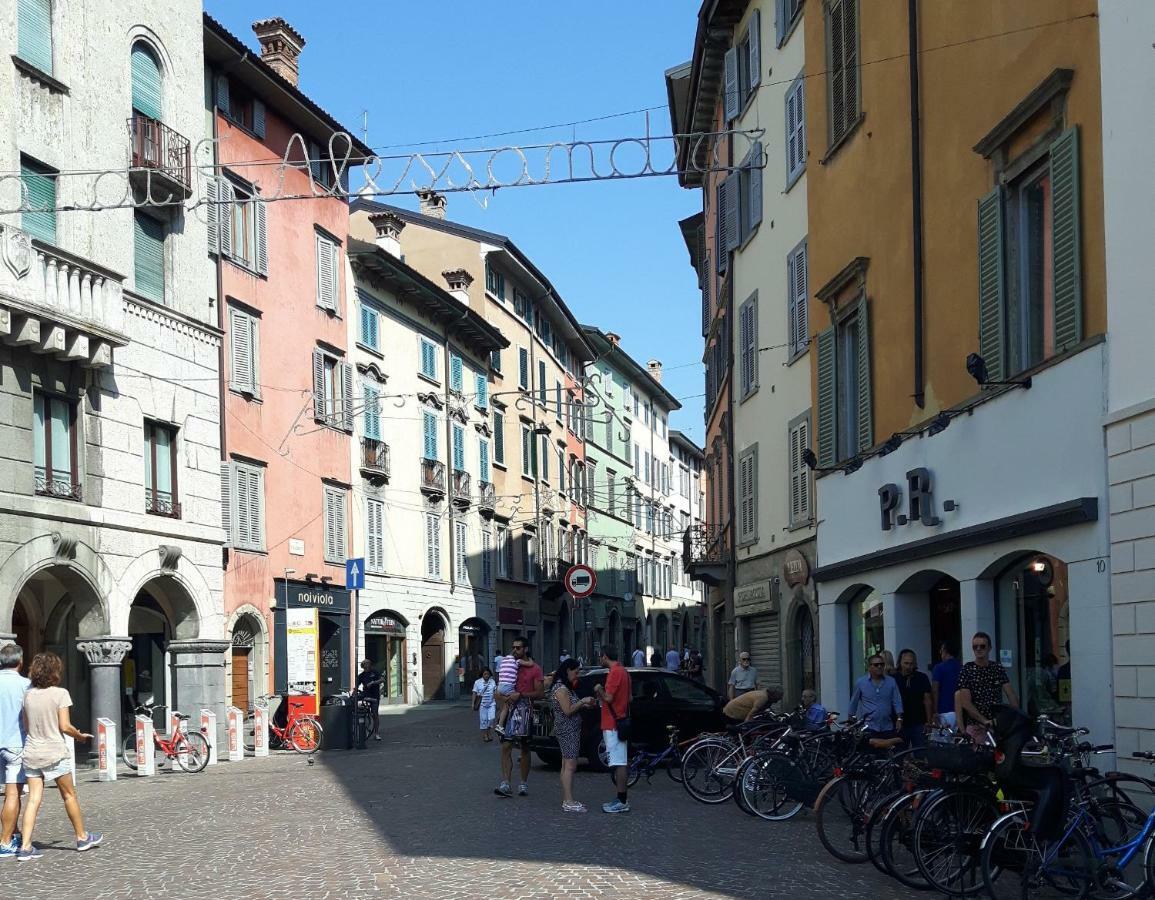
{"x":596,"y":756}
{"x":550,"y":758}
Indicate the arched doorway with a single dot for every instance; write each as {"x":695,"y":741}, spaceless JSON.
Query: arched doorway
{"x":433,"y":629}
{"x":805,"y":662}
{"x":385,"y":647}
{"x":248,"y":659}
{"x":473,"y":647}
{"x":945,"y":618}
{"x":161,"y":612}
{"x":1033,"y":634}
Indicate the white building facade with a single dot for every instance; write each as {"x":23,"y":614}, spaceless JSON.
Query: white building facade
{"x":110,"y":535}
{"x":422,"y":511}
{"x":1128,"y":72}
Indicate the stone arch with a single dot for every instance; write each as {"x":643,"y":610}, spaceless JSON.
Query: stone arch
{"x":259,"y":662}
{"x":142,"y":34}
{"x":186,"y":591}
{"x":81,"y":570}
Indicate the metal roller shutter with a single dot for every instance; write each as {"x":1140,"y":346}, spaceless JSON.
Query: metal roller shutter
{"x":763,"y":643}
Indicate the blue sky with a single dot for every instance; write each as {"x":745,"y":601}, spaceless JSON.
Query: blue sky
{"x":435,"y":69}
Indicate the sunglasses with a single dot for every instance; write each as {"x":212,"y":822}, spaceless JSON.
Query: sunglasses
{"x":876,"y":665}
{"x":979,"y":647}
{"x":744,"y":659}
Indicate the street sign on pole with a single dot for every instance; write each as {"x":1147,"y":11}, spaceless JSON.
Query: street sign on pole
{"x":580,"y":581}
{"x":355,"y":574}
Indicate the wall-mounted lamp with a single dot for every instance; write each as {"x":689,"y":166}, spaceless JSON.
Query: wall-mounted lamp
{"x":939,"y":425}
{"x":977,"y":368}
{"x":892,"y":443}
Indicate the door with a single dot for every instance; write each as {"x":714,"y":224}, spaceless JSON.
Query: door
{"x":763,"y":643}
{"x":241,"y":698}
{"x":332,"y":645}
{"x":433,"y":666}
{"x":945,"y":619}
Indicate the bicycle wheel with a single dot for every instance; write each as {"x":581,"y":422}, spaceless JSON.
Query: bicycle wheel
{"x":841,"y":816}
{"x":769,"y":787}
{"x":874,"y":824}
{"x":947,"y":839}
{"x":633,"y":772}
{"x":673,"y":766}
{"x":739,"y":795}
{"x":192,"y":751}
{"x":306,"y":735}
{"x":1015,"y":864}
{"x":897,"y":840}
{"x":128,"y":750}
{"x":701,"y":776}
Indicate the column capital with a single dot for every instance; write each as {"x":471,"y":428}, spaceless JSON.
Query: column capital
{"x":107,"y":650}
{"x":198,"y":645}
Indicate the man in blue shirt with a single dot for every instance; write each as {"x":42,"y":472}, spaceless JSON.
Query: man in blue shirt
{"x":13,"y":686}
{"x":877,"y":701}
{"x":944,"y":682}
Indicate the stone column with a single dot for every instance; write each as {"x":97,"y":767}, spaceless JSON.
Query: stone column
{"x":105,"y":655}
{"x":198,"y":668}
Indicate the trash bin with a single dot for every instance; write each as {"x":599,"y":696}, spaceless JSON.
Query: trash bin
{"x":337,"y":720}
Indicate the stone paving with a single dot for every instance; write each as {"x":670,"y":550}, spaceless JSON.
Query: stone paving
{"x":415,"y":816}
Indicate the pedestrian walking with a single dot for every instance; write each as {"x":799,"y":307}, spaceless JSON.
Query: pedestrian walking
{"x":917,"y":703}
{"x":615,"y":698}
{"x":483,"y":692}
{"x":527,"y":688}
{"x":673,"y":660}
{"x":981,"y":684}
{"x":46,"y":757}
{"x":944,"y":683}
{"x":744,"y":677}
{"x":656,"y":661}
{"x":567,"y":725}
{"x":639,"y":659}
{"x":13,"y":687}
{"x":694,"y":666}
{"x":877,"y":700}
{"x":750,"y":704}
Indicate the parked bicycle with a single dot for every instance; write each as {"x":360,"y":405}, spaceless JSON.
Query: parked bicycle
{"x":188,"y":749}
{"x":645,"y":763}
{"x":301,"y":732}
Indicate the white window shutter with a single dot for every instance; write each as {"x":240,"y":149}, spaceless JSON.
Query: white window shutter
{"x":730,"y":84}
{"x":800,"y":290}
{"x":227,"y":502}
{"x":326,"y":288}
{"x":260,"y":211}
{"x":240,"y":370}
{"x":733,"y":211}
{"x":755,"y":30}
{"x":755,"y":193}
{"x":258,"y":491}
{"x":803,"y":471}
{"x":320,"y":408}
{"x":347,"y":397}
{"x":341,"y":533}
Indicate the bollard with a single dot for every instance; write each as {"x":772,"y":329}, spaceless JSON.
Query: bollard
{"x":145,"y":751}
{"x":236,"y":720}
{"x":261,"y":731}
{"x":209,"y":730}
{"x":106,"y":750}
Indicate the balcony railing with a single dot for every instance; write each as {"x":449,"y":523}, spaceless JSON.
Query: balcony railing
{"x":461,"y":488}
{"x":161,"y":504}
{"x":705,"y":545}
{"x":433,"y":478}
{"x":60,"y":485}
{"x":374,"y":457}
{"x":161,"y":151}
{"x":487,"y":497}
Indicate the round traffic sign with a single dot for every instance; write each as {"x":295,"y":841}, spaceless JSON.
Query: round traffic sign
{"x":580,"y":581}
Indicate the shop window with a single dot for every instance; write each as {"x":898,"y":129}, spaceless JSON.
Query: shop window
{"x":866,"y":631}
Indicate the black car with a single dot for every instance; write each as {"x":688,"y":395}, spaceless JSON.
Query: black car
{"x":658,"y":698}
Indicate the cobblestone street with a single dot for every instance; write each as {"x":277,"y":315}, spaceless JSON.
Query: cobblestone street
{"x":415,"y":816}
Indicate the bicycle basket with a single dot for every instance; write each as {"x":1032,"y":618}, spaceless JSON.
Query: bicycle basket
{"x":960,"y":759}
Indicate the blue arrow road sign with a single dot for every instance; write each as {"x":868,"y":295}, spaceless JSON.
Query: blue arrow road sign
{"x":355,"y":574}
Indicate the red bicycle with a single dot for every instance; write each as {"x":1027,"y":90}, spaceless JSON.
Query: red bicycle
{"x":302,"y":731}
{"x":189,"y":750}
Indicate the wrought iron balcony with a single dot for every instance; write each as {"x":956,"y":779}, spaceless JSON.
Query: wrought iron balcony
{"x":487,"y":497}
{"x":374,"y":458}
{"x":433,"y":478}
{"x":461,"y":488}
{"x":161,"y":158}
{"x":161,"y":503}
{"x":60,"y":485}
{"x":706,"y":551}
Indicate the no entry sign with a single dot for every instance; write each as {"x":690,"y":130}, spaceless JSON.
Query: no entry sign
{"x":580,"y":581}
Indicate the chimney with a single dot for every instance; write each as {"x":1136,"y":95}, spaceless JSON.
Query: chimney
{"x":281,"y":44}
{"x":655,"y":367}
{"x":388,"y":227}
{"x":432,"y":204}
{"x":459,"y":281}
{"x":613,"y":338}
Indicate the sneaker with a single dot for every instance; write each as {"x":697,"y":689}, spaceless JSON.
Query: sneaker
{"x":574,"y":807}
{"x":33,"y":852}
{"x":8,"y":851}
{"x":615,"y":806}
{"x":500,"y":729}
{"x":502,"y":790}
{"x":92,"y":839}
{"x":523,"y":790}
{"x":376,"y":737}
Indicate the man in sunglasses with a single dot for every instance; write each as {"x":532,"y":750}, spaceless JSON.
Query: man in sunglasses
{"x":744,"y":678}
{"x":877,"y":700}
{"x":981,"y":684}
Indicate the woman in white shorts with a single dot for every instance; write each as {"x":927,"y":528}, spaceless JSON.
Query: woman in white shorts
{"x":483,"y":702}
{"x":46,"y":756}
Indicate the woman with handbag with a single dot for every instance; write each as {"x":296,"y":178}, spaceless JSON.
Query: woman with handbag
{"x":567,"y":726}
{"x":615,"y":698}
{"x":484,"y":703}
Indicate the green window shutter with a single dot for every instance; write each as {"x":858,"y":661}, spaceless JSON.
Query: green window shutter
{"x":148,"y":250}
{"x":1066,"y":240}
{"x":147,"y":94}
{"x":429,"y":427}
{"x":498,"y":437}
{"x":827,"y":399}
{"x":34,"y":38}
{"x":865,"y":394}
{"x":222,"y":92}
{"x":372,"y":418}
{"x":483,"y":460}
{"x":40,"y":195}
{"x":754,"y":195}
{"x":992,"y":297}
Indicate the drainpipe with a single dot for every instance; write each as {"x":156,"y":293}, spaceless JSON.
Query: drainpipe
{"x":916,"y":201}
{"x":221,"y":395}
